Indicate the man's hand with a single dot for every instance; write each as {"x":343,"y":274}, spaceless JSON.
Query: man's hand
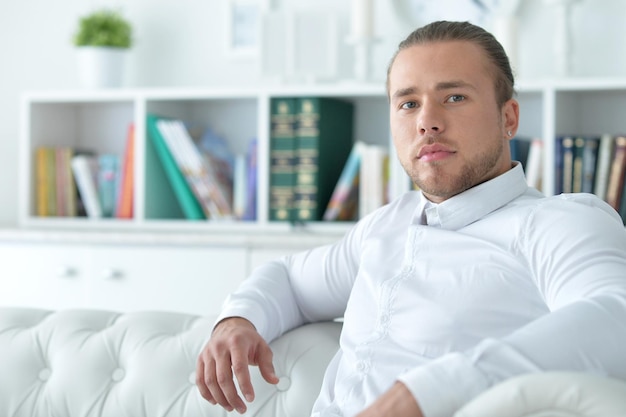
{"x":234,"y":345}
{"x":396,"y":402}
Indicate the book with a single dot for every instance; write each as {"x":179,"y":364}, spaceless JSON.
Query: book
{"x":189,"y":205}
{"x":124,"y":208}
{"x":220,"y":163}
{"x":344,"y":201}
{"x":617,"y":173}
{"x":44,"y":182}
{"x":196,"y":170}
{"x":520,"y":146}
{"x":622,"y":204}
{"x":250,"y":212}
{"x":558,"y":165}
{"x":603,"y":165}
{"x":372,"y":178}
{"x":282,"y":154}
{"x":60,"y":181}
{"x":577,"y":164}
{"x":589,"y":161}
{"x":567,"y":151}
{"x":239,"y":186}
{"x":534,"y":164}
{"x":84,"y":168}
{"x":66,"y":184}
{"x":108,"y":182}
{"x":324,"y":140}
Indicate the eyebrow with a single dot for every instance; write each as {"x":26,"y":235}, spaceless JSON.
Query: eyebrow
{"x":444,"y":85}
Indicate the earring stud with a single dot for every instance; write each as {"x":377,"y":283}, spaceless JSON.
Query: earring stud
{"x":510,"y":133}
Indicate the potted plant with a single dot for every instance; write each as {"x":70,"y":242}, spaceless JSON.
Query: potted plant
{"x":102,"y":40}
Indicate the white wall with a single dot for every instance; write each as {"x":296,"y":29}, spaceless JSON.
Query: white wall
{"x":181,"y":43}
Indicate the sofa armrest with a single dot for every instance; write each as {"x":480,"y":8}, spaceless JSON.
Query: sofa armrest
{"x":79,"y":363}
{"x":567,"y":394}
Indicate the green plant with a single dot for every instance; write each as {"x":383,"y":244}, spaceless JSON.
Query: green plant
{"x":104,"y":28}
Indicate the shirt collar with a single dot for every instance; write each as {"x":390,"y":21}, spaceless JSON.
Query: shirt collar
{"x":473,"y":204}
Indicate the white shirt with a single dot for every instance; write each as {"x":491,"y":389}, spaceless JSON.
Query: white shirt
{"x":502,"y":281}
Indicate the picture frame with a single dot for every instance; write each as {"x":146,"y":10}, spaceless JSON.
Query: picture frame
{"x":243,"y":26}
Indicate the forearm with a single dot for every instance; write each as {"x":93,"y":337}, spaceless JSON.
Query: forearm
{"x":296,"y":289}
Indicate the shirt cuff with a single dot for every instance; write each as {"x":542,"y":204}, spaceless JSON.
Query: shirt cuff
{"x":444,"y":385}
{"x":246,"y":310}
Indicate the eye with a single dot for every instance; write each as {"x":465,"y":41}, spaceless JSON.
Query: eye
{"x":409,"y":105}
{"x":455,"y":98}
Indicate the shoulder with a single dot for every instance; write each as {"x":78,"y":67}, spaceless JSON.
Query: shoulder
{"x":577,"y":206}
{"x":573,"y":219}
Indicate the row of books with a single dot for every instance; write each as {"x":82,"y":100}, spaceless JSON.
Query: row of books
{"x":593,"y":164}
{"x":208,"y":180}
{"x":77,"y":183}
{"x":363,"y":185}
{"x":310,"y":141}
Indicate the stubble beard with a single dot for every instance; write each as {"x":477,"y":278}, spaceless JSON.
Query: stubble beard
{"x":441,"y":183}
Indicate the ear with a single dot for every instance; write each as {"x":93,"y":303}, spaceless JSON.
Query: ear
{"x":510,"y":118}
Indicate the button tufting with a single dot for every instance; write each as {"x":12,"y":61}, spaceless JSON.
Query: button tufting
{"x":192,"y":378}
{"x":118,"y":375}
{"x":283,"y":383}
{"x":44,"y":374}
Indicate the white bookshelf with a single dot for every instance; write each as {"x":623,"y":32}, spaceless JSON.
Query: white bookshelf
{"x":99,"y":120}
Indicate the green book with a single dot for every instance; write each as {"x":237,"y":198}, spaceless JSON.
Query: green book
{"x":186,"y":199}
{"x":324,"y":140}
{"x":282,"y":158}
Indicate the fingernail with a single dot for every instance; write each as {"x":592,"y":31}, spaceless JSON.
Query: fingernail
{"x":249,"y":397}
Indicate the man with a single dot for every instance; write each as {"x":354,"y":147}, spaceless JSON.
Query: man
{"x":450,"y":290}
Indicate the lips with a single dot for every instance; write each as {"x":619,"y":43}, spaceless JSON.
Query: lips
{"x":436,"y":151}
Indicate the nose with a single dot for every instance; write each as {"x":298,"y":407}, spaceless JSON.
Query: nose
{"x":430,"y":120}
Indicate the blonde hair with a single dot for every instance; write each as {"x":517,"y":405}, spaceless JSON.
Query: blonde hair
{"x":464,"y":31}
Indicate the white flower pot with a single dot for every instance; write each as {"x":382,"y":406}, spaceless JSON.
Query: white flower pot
{"x":101,"y":67}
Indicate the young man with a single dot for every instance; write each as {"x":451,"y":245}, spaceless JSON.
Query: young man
{"x":450,"y":290}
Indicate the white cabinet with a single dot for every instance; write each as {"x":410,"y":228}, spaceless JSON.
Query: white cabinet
{"x":190,"y":273}
{"x":121,"y":278}
{"x":190,"y":279}
{"x":48,"y":276}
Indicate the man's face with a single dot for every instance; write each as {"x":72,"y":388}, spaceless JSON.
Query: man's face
{"x":447,"y":128}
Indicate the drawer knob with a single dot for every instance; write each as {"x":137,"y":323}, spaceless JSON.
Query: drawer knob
{"x":111,"y":274}
{"x":66,"y":271}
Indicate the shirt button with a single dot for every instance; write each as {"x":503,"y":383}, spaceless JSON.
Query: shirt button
{"x":362,"y":366}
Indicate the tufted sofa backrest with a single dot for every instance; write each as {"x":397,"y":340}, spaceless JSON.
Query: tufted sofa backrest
{"x":89,"y":363}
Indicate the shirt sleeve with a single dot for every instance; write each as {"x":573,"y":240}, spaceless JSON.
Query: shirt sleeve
{"x":576,"y":251}
{"x":306,"y":287}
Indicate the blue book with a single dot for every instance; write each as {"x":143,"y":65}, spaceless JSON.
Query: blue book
{"x":343,"y":203}
{"x":108,"y":183}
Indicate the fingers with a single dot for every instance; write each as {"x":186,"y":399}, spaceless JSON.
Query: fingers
{"x":223,"y":388}
{"x":233,"y":347}
{"x":240,"y":367}
{"x":266,"y":365}
{"x":201,"y":381}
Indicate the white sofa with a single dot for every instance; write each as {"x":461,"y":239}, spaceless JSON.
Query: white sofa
{"x":80,"y":363}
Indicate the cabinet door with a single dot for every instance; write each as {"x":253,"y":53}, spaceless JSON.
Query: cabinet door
{"x":186,"y":279}
{"x":44,"y":276}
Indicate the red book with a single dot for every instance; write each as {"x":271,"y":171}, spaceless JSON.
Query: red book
{"x":125,"y":199}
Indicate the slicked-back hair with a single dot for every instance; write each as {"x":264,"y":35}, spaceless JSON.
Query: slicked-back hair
{"x":442,"y":31}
